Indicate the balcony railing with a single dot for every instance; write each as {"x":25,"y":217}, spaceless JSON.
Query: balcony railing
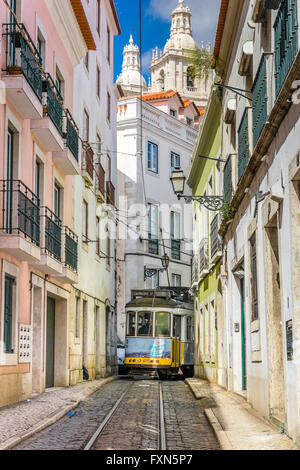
{"x":52,"y":234}
{"x":260,"y":100}
{"x":203,"y":255}
{"x":195,"y":272}
{"x":71,"y":249}
{"x":110,"y":193}
{"x":22,"y":57}
{"x":72,"y":132}
{"x":20,"y":210}
{"x":243,"y":139}
{"x":286,"y":40}
{"x":215,"y":240}
{"x":53,"y":103}
{"x":176,"y":249}
{"x":228,"y":180}
{"x":100,"y":178}
{"x":88,"y":161}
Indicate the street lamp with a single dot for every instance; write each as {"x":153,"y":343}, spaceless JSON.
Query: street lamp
{"x":212,"y":203}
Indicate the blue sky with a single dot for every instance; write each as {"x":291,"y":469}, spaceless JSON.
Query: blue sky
{"x":156,"y":21}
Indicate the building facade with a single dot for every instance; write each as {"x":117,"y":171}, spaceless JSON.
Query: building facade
{"x":153,"y":140}
{"x":57,"y":293}
{"x":93,"y":319}
{"x":205,"y":179}
{"x":39,"y":155}
{"x":257,"y":50}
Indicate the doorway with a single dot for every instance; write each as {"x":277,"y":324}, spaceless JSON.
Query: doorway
{"x":50,"y":342}
{"x":240,"y":275}
{"x":274,"y":320}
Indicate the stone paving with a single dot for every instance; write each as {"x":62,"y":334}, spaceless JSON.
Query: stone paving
{"x":73,"y":432}
{"x":186,"y":426}
{"x":135,"y":424}
{"x":25,"y":417}
{"x":241,"y":427}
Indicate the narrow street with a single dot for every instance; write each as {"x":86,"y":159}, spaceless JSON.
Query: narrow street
{"x":136,"y":422}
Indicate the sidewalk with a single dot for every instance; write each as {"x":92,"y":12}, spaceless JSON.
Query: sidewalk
{"x":22,"y":420}
{"x":236,"y":424}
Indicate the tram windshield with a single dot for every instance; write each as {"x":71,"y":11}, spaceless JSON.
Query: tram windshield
{"x":131,"y":323}
{"x":162,"y":324}
{"x":145,"y":324}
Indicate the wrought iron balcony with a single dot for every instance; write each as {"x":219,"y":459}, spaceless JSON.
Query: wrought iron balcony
{"x":286,"y":40}
{"x":176,"y":249}
{"x":22,"y":57}
{"x":203,"y":257}
{"x":52,"y":234}
{"x":228,"y":180}
{"x":71,"y":249}
{"x":260,"y":100}
{"x":53,"y":103}
{"x":215,"y":240}
{"x":88,"y":164}
{"x":20,"y":210}
{"x":72,"y":131}
{"x":195,"y":269}
{"x":110,"y":193}
{"x":243,"y":142}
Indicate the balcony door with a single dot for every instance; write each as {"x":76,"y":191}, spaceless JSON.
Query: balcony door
{"x":10,"y":177}
{"x":50,"y":342}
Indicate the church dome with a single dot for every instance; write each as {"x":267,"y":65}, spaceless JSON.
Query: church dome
{"x":181,"y":30}
{"x":131,"y":77}
{"x":180,"y":41}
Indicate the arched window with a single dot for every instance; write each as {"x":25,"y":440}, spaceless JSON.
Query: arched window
{"x":162,"y":79}
{"x":190,"y":77}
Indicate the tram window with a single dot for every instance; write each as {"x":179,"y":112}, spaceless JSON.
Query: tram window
{"x":145,"y":326}
{"x":189,"y":334}
{"x":162,"y":324}
{"x":176,"y":326}
{"x":131,"y":321}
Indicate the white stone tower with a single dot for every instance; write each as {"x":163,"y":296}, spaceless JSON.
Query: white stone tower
{"x":131,"y":79}
{"x":170,"y":69}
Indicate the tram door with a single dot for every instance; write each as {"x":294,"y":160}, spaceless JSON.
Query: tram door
{"x":177,"y":336}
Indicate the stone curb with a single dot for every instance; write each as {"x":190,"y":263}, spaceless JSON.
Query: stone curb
{"x":12,"y":442}
{"x":219,"y":432}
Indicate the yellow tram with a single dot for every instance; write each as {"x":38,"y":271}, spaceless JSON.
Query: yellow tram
{"x":159,"y":333}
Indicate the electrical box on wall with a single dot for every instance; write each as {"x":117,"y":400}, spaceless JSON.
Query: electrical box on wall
{"x":24,"y":343}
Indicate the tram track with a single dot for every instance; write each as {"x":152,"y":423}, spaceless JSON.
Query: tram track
{"x":161,"y":442}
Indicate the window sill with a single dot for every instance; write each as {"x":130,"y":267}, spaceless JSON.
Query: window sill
{"x":8,"y":359}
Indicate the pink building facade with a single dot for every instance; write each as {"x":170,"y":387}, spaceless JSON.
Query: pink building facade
{"x":39,"y":157}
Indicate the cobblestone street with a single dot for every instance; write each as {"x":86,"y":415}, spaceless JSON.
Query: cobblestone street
{"x":135,"y":424}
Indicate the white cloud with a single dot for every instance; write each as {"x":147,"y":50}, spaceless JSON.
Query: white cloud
{"x":204,"y":16}
{"x":146,"y":61}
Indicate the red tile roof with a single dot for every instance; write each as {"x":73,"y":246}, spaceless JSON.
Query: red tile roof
{"x":221,"y":24}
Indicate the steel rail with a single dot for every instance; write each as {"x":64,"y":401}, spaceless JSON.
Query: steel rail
{"x":162,"y":429}
{"x":106,"y":420}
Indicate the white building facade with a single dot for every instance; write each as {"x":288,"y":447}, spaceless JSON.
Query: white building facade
{"x":259,"y":52}
{"x":93,"y":322}
{"x":152,"y":222}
